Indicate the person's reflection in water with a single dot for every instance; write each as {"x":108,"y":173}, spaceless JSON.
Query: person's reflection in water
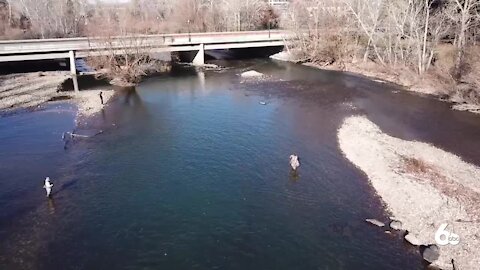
{"x":294,"y":176}
{"x":51,"y":206}
{"x":104,"y":116}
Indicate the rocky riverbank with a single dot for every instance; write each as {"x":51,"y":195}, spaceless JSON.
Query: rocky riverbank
{"x":410,"y":81}
{"x":89,"y":103}
{"x":423,"y":187}
{"x":29,"y":90}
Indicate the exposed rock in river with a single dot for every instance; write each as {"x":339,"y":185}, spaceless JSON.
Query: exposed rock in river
{"x":251,"y":74}
{"x":431,"y":253}
{"x":424,"y":187}
{"x":375,"y":222}
{"x":412,"y":239}
{"x":467,"y":107}
{"x":396,"y":225}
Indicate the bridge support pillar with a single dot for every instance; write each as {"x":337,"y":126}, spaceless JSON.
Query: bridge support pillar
{"x":199,"y":59}
{"x":73,"y":70}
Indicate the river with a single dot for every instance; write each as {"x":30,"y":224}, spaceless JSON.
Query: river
{"x":191,"y":172}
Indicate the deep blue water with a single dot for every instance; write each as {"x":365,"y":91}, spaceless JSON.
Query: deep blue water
{"x":191,"y":172}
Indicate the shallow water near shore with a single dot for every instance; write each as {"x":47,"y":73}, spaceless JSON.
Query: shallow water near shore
{"x":191,"y":172}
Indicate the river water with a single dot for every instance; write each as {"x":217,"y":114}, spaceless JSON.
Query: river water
{"x":191,"y":172}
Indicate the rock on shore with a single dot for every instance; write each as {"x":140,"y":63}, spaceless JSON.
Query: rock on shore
{"x":431,"y":253}
{"x":396,"y":225}
{"x":283,"y":56}
{"x":422,"y":186}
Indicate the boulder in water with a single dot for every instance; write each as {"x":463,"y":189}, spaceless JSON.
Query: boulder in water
{"x":396,"y":225}
{"x":251,"y":74}
{"x":375,"y":222}
{"x":431,"y":253}
{"x":412,"y":239}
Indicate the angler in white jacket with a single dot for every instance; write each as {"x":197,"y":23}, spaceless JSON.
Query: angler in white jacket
{"x":48,"y":186}
{"x":294,"y":162}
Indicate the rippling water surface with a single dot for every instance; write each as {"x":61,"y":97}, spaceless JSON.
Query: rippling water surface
{"x":191,"y":172}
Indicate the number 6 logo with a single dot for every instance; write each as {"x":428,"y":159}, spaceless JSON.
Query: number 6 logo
{"x":444,"y":237}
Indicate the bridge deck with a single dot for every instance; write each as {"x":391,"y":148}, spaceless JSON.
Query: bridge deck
{"x":40,"y":49}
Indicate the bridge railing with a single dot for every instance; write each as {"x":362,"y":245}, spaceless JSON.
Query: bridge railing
{"x":97,"y":43}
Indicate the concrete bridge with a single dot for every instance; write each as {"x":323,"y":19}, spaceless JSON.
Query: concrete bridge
{"x":43,"y":49}
{"x":71,"y":48}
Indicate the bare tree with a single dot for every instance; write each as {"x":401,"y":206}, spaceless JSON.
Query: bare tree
{"x":406,"y":31}
{"x":123,"y":57}
{"x":368,"y":15}
{"x":74,"y":17}
{"x":321,"y":29}
{"x":465,"y":15}
{"x":66,"y":21}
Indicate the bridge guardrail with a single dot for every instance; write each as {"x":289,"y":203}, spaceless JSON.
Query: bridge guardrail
{"x":86,"y":44}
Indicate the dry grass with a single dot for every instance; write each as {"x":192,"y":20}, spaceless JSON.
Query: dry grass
{"x":427,"y":173}
{"x":416,"y":166}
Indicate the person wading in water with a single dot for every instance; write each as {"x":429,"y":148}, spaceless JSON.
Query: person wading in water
{"x":294,"y":162}
{"x":48,"y":186}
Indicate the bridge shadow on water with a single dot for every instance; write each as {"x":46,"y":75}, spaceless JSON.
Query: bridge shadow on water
{"x":230,"y":54}
{"x":32,"y":66}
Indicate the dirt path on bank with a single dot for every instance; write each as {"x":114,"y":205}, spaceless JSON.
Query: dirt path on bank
{"x":422,"y":186}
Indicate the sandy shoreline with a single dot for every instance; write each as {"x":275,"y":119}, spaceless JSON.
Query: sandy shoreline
{"x":404,"y":80}
{"x":89,"y":103}
{"x":422,"y":186}
{"x":29,"y":90}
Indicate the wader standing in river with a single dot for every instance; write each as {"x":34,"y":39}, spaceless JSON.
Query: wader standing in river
{"x":101,"y":97}
{"x":294,"y":162}
{"x":48,"y":186}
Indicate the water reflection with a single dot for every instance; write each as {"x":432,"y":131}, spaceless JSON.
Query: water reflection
{"x":131,"y":97}
{"x":201,"y":80}
{"x":294,"y":176}
{"x":51,"y":205}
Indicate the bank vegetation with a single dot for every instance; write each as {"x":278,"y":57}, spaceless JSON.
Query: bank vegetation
{"x":429,"y":46}
{"x":24,"y":19}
